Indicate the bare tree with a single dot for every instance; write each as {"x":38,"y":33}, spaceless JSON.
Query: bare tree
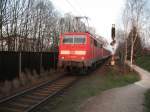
{"x":133,"y":17}
{"x":126,"y":21}
{"x":3,"y":20}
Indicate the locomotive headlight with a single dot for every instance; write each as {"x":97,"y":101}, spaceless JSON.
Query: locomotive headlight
{"x":80,"y":52}
{"x":64,"y":52}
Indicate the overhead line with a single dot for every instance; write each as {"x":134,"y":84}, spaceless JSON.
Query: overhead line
{"x":80,"y":7}
{"x":81,"y":10}
{"x":84,"y":15}
{"x":73,"y":7}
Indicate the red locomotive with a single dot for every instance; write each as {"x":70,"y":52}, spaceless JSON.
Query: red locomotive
{"x":79,"y":51}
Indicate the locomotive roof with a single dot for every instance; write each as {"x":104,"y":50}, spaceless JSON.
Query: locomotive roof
{"x":84,"y":33}
{"x":69,"y":33}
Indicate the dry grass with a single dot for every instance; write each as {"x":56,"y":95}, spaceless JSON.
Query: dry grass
{"x":7,"y":87}
{"x":16,"y":83}
{"x":35,"y":74}
{"x":26,"y":80}
{"x":29,"y":77}
{"x":23,"y":79}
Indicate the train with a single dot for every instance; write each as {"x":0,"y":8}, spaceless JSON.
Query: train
{"x":80,"y":51}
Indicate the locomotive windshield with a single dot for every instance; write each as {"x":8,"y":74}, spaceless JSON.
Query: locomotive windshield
{"x":68,"y":39}
{"x":74,"y":39}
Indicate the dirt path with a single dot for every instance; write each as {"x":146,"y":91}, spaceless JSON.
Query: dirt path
{"x":125,"y":99}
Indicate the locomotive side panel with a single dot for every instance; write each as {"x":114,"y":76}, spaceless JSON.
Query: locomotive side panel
{"x":96,"y":50}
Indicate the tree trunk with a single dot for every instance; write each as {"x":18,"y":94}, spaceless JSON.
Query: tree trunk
{"x":131,"y":57}
{"x":126,"y":51}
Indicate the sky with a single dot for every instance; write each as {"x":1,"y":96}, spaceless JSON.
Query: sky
{"x":102,"y":13}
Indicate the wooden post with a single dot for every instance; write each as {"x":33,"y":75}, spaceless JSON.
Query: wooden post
{"x":20,"y":63}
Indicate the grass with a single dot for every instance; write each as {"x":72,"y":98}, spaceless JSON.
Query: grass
{"x":144,"y":62}
{"x":147,"y":101}
{"x":87,"y":87}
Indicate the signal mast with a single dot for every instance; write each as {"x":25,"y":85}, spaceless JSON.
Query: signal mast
{"x":113,"y":44}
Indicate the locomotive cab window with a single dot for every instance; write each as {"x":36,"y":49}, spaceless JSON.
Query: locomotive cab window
{"x":67,"y":39}
{"x":74,"y":39}
{"x":79,"y":39}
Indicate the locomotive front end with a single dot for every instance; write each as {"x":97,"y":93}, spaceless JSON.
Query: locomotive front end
{"x":72,"y":50}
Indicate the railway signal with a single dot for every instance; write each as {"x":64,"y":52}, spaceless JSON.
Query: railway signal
{"x":113,"y":32}
{"x":113,"y":43}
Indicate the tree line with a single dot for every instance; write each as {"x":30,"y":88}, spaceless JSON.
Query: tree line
{"x":34,"y":25}
{"x":133,"y":37}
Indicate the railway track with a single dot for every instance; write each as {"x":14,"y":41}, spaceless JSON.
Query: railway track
{"x":30,"y":99}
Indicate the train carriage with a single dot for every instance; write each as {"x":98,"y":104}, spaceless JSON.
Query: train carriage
{"x":80,"y":50}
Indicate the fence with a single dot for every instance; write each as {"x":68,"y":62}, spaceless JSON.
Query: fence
{"x":13,"y":63}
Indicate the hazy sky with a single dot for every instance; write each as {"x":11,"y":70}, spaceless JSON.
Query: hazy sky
{"x":102,"y":13}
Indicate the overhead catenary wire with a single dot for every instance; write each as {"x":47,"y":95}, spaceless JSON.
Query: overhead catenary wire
{"x":72,"y":6}
{"x":82,"y":12}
